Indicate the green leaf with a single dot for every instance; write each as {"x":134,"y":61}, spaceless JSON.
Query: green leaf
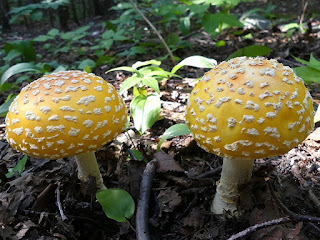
{"x":116,"y":203}
{"x":151,"y":82}
{"x":18,"y":168}
{"x":313,"y":62}
{"x":128,"y":69}
{"x":210,"y":24}
{"x":87,"y":63}
{"x":195,"y":61}
{"x":4,"y":108}
{"x":251,"y":51}
{"x":317,"y":115}
{"x":150,"y":62}
{"x":308,"y":74}
{"x":129,"y":82}
{"x":145,"y":111}
{"x":174,"y":131}
{"x":18,"y":68}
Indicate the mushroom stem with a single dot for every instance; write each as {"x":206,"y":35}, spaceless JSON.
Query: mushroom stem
{"x":88,"y":166}
{"x":234,"y":173}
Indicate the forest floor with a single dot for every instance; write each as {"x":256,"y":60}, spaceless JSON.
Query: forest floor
{"x":184,"y":185}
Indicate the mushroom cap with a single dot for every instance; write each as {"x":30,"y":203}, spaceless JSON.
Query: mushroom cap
{"x":250,"y":108}
{"x":64,"y":114}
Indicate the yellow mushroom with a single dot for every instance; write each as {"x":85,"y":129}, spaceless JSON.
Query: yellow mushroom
{"x":64,"y":114}
{"x":244,"y":109}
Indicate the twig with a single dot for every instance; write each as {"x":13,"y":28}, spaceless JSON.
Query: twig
{"x":142,"y":215}
{"x":292,"y":217}
{"x":314,"y":198}
{"x":155,"y":30}
{"x":256,"y":227}
{"x":210,"y":173}
{"x":63,"y":217}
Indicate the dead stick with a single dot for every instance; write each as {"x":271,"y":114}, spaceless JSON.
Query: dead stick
{"x":155,"y":30}
{"x":259,"y":226}
{"x":142,"y":215}
{"x":63,"y":217}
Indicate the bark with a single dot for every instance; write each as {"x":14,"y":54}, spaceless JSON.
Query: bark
{"x":63,"y":12}
{"x":4,"y":8}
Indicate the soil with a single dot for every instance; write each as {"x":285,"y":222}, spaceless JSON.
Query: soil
{"x":182,"y":187}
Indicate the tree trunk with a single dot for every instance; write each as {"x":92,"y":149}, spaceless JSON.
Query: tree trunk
{"x":4,"y":8}
{"x":74,"y":12}
{"x":63,"y":12}
{"x":97,"y":8}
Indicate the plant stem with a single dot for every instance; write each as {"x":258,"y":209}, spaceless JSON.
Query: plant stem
{"x":88,"y":166}
{"x":155,"y":30}
{"x":234,"y":173}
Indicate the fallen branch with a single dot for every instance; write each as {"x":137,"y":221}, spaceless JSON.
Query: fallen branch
{"x":155,"y":30}
{"x":292,"y":217}
{"x":142,"y":215}
{"x":63,"y":216}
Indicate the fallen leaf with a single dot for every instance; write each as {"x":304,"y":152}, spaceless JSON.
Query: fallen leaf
{"x":166,"y":163}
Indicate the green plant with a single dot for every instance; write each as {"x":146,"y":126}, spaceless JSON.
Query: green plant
{"x":251,"y":51}
{"x":19,"y":168}
{"x":309,"y":73}
{"x":35,"y":11}
{"x":5,"y":106}
{"x":145,"y":107}
{"x":116,"y":203}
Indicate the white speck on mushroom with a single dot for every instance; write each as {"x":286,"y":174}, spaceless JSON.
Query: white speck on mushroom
{"x":71,"y":118}
{"x":53,"y":118}
{"x":265,"y":84}
{"x":31,"y":116}
{"x":14,"y":121}
{"x":249,"y":84}
{"x":56,"y":100}
{"x":49,"y":144}
{"x":107,"y":108}
{"x":294,"y":94}
{"x":51,"y":128}
{"x":73,"y":132}
{"x":101,"y":124}
{"x":232,"y":147}
{"x":71,"y":88}
{"x":60,"y":142}
{"x":252,"y":105}
{"x":45,"y":109}
{"x":66,"y":108}
{"x":231,"y":122}
{"x":106,"y":134}
{"x":271,"y":115}
{"x":217,"y":138}
{"x":206,"y":78}
{"x":98,"y":88}
{"x":47,"y":86}
{"x":38,"y":129}
{"x":74,"y":80}
{"x":261,"y":120}
{"x":272,"y":131}
{"x":241,"y":91}
{"x":265,"y":94}
{"x":252,"y":131}
{"x":212,"y":128}
{"x":277,"y":92}
{"x":86,"y":100}
{"x":35,"y":92}
{"x":232,"y":76}
{"x":248,"y":118}
{"x":18,"y":131}
{"x":58,"y":83}
{"x":260,"y":151}
{"x":221,"y":81}
{"x":220,"y":89}
{"x":238,"y":101}
{"x":88,"y":123}
{"x":221,"y":101}
{"x":302,"y":129}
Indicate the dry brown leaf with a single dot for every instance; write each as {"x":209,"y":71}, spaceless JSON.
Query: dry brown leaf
{"x":166,"y":163}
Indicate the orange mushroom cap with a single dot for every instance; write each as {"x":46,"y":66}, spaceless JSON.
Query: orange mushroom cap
{"x":64,"y":114}
{"x":250,"y":108}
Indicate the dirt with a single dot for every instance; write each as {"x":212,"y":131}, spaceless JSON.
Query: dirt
{"x":182,"y":191}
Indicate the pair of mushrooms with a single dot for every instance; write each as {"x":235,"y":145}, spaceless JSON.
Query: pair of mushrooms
{"x":243,"y":109}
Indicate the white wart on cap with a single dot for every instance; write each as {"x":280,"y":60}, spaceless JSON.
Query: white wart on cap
{"x":250,"y":108}
{"x":65,"y":114}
